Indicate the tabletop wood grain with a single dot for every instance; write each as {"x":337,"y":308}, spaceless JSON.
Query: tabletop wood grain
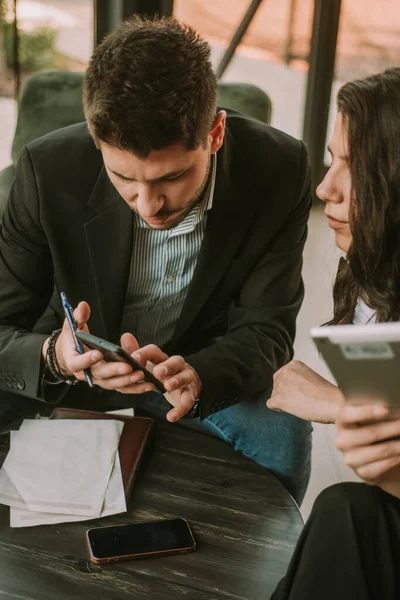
{"x":244,"y":522}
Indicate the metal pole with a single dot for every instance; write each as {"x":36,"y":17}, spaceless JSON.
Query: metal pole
{"x":163,"y":8}
{"x":107,"y":15}
{"x":16,"y":63}
{"x":319,"y":84}
{"x":237,"y":37}
{"x":289,"y":39}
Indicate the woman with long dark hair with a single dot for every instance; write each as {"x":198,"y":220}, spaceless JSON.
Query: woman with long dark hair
{"x":350,"y":547}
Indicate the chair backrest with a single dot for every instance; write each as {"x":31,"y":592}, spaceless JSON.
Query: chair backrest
{"x":246,"y":98}
{"x":53,"y":99}
{"x":49,"y":100}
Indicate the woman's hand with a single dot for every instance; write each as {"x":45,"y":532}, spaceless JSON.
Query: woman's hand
{"x":300,"y":391}
{"x":370,"y":441}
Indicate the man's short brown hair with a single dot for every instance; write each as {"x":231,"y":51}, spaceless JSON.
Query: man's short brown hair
{"x":149,"y":85}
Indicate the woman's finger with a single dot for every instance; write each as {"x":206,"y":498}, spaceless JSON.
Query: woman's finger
{"x":359,"y":457}
{"x":367,"y":435}
{"x":373,"y":472}
{"x":351,"y":414}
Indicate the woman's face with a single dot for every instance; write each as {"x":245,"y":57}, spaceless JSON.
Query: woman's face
{"x":335,"y":188}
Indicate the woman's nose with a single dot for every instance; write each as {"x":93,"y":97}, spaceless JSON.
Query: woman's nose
{"x":326,"y":189}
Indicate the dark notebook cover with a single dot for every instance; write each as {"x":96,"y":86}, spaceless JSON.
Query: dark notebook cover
{"x":135,"y":435}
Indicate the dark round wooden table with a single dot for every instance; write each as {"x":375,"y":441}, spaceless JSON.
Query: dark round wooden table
{"x":245,"y":524}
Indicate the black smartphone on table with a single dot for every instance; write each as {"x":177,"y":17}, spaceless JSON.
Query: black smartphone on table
{"x":140,"y":540}
{"x":114,"y":353}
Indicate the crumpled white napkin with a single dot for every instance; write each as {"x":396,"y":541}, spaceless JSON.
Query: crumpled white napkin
{"x":60,"y":466}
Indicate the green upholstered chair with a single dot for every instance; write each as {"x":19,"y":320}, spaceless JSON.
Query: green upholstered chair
{"x":53,"y":99}
{"x":49,"y":100}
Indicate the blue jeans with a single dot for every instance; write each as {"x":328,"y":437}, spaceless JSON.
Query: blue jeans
{"x":275,"y":440}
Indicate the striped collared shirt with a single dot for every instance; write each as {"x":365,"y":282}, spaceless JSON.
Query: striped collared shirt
{"x":162,"y":267}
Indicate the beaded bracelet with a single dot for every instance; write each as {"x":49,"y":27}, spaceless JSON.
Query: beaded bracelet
{"x":51,"y":361}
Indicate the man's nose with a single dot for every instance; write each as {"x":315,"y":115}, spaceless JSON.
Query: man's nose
{"x":148,"y":201}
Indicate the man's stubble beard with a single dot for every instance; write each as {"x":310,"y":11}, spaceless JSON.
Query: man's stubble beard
{"x":195,"y":199}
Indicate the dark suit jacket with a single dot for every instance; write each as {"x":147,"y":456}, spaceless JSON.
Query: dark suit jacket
{"x":65,"y":224}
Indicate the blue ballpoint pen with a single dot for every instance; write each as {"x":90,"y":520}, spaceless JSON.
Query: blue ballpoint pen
{"x":74,"y":326}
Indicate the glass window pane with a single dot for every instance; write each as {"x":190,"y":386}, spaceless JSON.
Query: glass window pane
{"x":273,"y":54}
{"x":368,"y":42}
{"x":53,"y":34}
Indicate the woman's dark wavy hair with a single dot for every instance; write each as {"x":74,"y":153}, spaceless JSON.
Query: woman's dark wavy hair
{"x":370,"y":109}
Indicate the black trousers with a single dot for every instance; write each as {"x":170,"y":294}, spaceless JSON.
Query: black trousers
{"x":349,"y":548}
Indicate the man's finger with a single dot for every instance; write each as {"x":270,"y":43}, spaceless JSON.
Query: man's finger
{"x":185,"y":377}
{"x":82,"y":314}
{"x":129,"y":343}
{"x":79,"y":362}
{"x":138,"y":388}
{"x":127,"y":384}
{"x":185,"y":403}
{"x":105,"y":370}
{"x":151,"y":353}
{"x":170,"y":367}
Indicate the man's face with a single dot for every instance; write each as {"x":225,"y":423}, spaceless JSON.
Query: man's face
{"x":163,"y":187}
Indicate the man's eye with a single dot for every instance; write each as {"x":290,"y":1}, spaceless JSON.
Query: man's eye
{"x":122,"y":178}
{"x":174,"y":178}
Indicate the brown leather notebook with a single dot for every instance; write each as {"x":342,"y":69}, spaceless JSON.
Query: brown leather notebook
{"x":135,"y":436}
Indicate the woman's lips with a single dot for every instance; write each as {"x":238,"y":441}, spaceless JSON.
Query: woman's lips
{"x":335,"y":224}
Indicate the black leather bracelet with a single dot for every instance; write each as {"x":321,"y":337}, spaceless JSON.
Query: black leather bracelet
{"x":51,"y":361}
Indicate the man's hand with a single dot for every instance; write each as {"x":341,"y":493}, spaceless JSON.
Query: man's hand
{"x":181,"y":381}
{"x":300,"y":391}
{"x":370,"y":441}
{"x":69,"y":361}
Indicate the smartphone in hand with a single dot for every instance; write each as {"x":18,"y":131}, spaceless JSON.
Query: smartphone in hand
{"x":114,"y":353}
{"x":140,"y":540}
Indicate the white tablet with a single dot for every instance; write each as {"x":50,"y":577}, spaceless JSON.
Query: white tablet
{"x":364,"y":359}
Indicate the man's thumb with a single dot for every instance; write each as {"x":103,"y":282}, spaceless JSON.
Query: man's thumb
{"x":82,"y":314}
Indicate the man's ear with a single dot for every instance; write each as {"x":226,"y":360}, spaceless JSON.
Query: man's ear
{"x":218,"y":131}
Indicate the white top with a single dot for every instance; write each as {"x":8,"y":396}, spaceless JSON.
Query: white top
{"x":363,"y":314}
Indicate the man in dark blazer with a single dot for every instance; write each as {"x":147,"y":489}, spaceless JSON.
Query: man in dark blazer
{"x":173,"y":225}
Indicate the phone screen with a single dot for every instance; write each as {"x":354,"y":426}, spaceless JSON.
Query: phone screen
{"x":115,"y":353}
{"x":140,"y":538}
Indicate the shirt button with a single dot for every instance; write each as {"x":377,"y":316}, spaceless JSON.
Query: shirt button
{"x":170,"y":279}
